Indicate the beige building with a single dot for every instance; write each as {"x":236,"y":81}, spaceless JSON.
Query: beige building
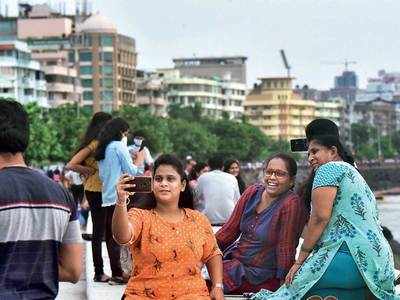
{"x":106,"y":63}
{"x":282,"y":114}
{"x":48,"y":36}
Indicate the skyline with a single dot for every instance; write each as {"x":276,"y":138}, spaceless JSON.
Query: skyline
{"x":313,"y":34}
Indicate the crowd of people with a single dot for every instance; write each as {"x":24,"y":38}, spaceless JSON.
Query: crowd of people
{"x":196,"y":216}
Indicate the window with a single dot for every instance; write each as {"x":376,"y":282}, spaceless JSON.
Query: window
{"x":9,"y":27}
{"x":71,"y":56}
{"x":87,"y":82}
{"x":87,"y":95}
{"x":107,"y":82}
{"x":87,"y":40}
{"x":106,"y":70}
{"x":106,"y":40}
{"x":107,"y":95}
{"x":106,"y":56}
{"x":85,"y":56}
{"x":86,"y":70}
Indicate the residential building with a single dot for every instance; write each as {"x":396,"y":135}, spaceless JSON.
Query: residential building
{"x":217,"y":96}
{"x":106,"y":63}
{"x":379,"y":113}
{"x":280,"y":113}
{"x":229,"y":68}
{"x":48,"y":34}
{"x":151,"y":92}
{"x":21,"y":77}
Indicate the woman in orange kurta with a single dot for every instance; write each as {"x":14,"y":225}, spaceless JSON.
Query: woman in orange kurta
{"x":169,"y":242}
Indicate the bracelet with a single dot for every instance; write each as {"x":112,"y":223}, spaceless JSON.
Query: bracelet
{"x":123,"y":204}
{"x":219,"y":285}
{"x":298,"y":263}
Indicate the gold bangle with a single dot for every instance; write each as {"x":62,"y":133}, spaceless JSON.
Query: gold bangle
{"x":123,"y":204}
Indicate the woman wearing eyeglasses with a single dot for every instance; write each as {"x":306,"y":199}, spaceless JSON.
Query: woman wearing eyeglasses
{"x":268,"y":220}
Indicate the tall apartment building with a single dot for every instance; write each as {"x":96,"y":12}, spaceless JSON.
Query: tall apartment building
{"x":229,"y":68}
{"x":21,"y":77}
{"x":48,"y":35}
{"x":78,"y":49}
{"x":216,"y":96}
{"x":280,"y":113}
{"x":106,"y":63}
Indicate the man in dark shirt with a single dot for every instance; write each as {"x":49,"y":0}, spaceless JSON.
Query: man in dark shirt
{"x":40,"y":242}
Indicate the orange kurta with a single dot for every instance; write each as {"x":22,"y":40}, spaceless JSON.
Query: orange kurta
{"x":168,"y":257}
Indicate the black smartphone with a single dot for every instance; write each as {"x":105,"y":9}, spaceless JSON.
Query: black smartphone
{"x":143,"y":184}
{"x":298,"y":145}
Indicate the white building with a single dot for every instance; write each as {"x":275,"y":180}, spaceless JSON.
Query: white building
{"x":216,"y":96}
{"x":386,"y":87}
{"x":21,"y":78}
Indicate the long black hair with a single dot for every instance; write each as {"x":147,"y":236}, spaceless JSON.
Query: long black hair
{"x":227,"y":166}
{"x":328,"y":141}
{"x":97,"y":122}
{"x":149,"y":201}
{"x":111,"y":131}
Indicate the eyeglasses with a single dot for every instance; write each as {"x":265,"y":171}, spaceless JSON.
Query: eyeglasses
{"x":277,"y":173}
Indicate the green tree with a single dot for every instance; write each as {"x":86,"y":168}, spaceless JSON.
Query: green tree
{"x":236,"y":140}
{"x":191,"y":139}
{"x":69,"y":127}
{"x":42,"y":137}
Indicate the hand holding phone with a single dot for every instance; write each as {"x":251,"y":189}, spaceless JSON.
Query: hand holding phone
{"x":140,"y":184}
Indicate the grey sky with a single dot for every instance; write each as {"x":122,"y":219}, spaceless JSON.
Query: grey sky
{"x":311,"y":32}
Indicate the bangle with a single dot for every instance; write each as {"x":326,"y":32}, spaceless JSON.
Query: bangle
{"x":298,"y":263}
{"x":123,"y":204}
{"x":218,"y":285}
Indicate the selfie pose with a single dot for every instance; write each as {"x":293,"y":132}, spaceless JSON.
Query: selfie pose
{"x":344,"y":254}
{"x":169,"y":242}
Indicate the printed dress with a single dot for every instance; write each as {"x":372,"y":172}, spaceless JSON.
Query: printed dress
{"x":354,"y":221}
{"x":168,"y":257}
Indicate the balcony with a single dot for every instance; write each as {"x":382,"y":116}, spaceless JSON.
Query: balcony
{"x":153,"y":101}
{"x":60,"y":87}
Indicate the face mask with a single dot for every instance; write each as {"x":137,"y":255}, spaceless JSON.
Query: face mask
{"x":124,"y":140}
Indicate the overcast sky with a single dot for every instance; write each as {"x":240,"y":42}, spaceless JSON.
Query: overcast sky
{"x":315,"y":34}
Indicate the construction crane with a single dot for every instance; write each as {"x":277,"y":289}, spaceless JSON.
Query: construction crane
{"x":346,"y":63}
{"x":285,"y":62}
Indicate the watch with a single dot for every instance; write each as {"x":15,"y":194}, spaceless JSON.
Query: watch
{"x":219,"y":285}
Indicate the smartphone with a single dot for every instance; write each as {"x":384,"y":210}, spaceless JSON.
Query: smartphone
{"x":137,"y":145}
{"x":298,"y":145}
{"x":143,"y":184}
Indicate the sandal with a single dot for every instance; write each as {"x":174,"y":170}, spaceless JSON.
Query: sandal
{"x":101,"y":278}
